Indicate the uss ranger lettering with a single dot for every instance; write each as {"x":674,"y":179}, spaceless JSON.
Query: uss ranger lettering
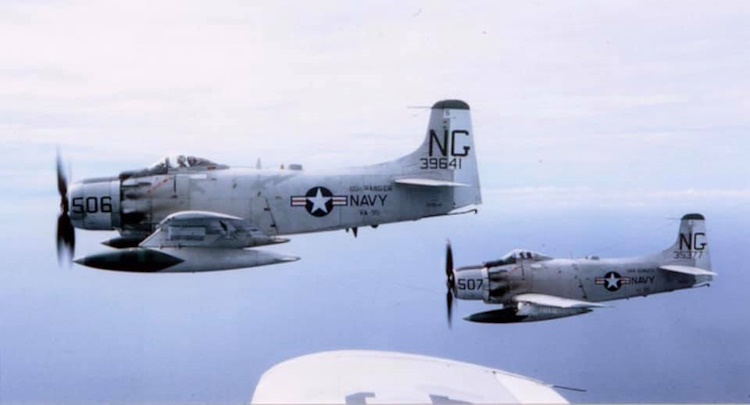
{"x":378,"y":188}
{"x":371,"y":187}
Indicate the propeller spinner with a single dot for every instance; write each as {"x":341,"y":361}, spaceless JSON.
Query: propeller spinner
{"x":66,"y":238}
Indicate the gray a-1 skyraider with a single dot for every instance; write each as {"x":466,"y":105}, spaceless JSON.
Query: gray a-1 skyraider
{"x":189,"y":214}
{"x":535,"y":287}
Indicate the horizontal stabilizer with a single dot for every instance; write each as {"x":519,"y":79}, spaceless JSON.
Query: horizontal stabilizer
{"x":429,"y":183}
{"x":553,"y":301}
{"x":469,"y":209}
{"x":693,"y":271}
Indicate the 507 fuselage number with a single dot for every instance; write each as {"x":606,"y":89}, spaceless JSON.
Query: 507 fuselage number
{"x":469,"y":284}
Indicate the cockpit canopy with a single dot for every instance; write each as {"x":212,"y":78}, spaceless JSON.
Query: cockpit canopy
{"x":176,"y":163}
{"x":517,"y":255}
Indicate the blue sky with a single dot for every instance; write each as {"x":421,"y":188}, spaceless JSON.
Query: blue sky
{"x":596,"y":125}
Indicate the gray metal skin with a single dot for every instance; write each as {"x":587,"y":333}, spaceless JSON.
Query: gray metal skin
{"x":439,"y":178}
{"x":529,"y":284}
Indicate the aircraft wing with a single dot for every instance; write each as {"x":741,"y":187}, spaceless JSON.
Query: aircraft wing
{"x":208,"y":230}
{"x":535,"y":307}
{"x":693,"y":271}
{"x":375,"y":377}
{"x":553,"y":301}
{"x":194,"y":241}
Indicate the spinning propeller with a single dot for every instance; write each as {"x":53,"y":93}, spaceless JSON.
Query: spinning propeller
{"x":66,"y":238}
{"x":450,"y":282}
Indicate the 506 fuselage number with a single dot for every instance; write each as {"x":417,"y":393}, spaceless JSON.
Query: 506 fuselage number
{"x":91,"y":205}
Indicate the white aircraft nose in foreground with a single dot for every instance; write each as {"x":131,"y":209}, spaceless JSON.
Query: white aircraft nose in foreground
{"x":188,"y":214}
{"x":535,"y":287}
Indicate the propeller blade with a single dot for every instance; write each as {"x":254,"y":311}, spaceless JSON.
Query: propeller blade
{"x":62,"y":185}
{"x":449,"y":261}
{"x":449,"y":307}
{"x":449,"y":283}
{"x":66,"y":238}
{"x":62,"y":182}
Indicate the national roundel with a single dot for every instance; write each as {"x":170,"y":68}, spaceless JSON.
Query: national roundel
{"x":319,"y":201}
{"x":612,"y":281}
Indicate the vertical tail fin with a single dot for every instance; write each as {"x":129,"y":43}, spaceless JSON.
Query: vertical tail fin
{"x":691,"y":247}
{"x":447,"y":154}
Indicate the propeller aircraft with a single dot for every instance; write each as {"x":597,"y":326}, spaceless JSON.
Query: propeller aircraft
{"x":189,"y":214}
{"x":535,"y":287}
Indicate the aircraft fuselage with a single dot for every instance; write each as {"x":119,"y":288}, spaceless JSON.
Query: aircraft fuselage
{"x":278,"y":202}
{"x":594,"y":280}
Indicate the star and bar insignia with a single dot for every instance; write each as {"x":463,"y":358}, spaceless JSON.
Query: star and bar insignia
{"x":319,"y":201}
